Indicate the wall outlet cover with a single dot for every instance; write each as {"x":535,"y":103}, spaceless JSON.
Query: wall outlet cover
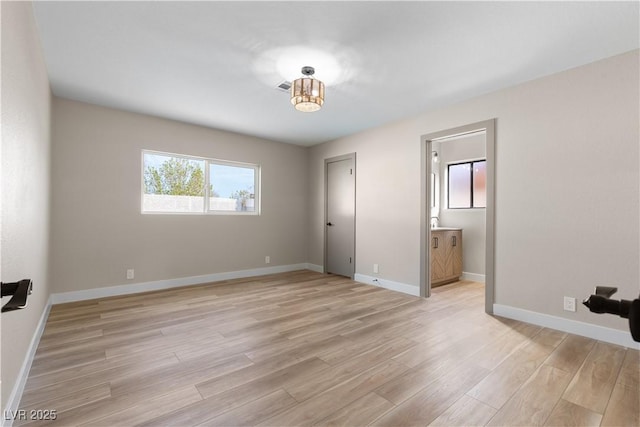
{"x":569,"y":304}
{"x":130,"y":274}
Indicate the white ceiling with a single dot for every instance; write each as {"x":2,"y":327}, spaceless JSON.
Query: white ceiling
{"x":217,"y":63}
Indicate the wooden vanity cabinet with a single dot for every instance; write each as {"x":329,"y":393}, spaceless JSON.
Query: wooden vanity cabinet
{"x":446,"y":256}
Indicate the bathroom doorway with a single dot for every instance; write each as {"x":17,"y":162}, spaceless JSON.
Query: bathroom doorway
{"x":458,"y":193}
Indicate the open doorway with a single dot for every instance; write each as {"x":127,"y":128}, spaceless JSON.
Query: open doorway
{"x":449,"y":159}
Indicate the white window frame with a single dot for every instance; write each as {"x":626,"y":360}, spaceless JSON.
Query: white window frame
{"x":207,"y":162}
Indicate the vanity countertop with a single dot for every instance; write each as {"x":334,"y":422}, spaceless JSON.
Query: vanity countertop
{"x":445,"y":229}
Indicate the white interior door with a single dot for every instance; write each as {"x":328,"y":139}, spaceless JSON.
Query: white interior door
{"x":340,"y":216}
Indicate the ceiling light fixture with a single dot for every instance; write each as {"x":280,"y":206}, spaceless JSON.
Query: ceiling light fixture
{"x":307,"y":93}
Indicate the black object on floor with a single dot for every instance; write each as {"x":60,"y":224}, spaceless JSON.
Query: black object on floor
{"x":20,"y":290}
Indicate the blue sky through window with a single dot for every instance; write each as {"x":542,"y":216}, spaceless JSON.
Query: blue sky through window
{"x":228,"y":179}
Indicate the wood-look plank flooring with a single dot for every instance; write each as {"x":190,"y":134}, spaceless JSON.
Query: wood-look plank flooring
{"x":303,"y":348}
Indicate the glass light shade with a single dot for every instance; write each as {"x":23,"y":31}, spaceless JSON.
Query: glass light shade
{"x":307,"y":94}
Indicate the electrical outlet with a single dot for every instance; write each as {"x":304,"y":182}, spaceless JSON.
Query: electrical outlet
{"x":130,"y":274}
{"x":569,"y":304}
{"x":375,"y":268}
{"x":267,"y":259}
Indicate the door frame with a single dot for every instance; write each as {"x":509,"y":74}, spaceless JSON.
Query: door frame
{"x":352,"y":157}
{"x":489,"y":127}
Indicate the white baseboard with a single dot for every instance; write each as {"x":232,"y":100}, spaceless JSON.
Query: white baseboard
{"x":315,"y":267}
{"x":18,"y":388}
{"x":388,"y":284}
{"x":596,"y":332}
{"x":474,"y":277}
{"x":156,"y":285}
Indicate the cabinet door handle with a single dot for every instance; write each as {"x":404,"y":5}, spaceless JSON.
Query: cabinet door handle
{"x":454,"y":241}
{"x":435,"y":243}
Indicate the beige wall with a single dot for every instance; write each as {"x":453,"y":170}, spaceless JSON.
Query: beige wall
{"x":567,"y":174}
{"x":26,"y":100}
{"x":98,"y":231}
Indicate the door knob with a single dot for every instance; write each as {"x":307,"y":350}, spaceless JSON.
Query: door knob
{"x":329,"y":224}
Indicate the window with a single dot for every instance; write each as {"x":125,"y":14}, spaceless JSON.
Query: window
{"x":232,"y":187}
{"x":174,"y":183}
{"x":467,"y":185}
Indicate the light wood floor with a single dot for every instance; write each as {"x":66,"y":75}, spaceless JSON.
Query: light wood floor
{"x":304,"y":348}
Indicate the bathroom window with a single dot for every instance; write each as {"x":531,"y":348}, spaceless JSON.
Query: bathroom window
{"x":467,"y":185}
{"x":180,"y":184}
